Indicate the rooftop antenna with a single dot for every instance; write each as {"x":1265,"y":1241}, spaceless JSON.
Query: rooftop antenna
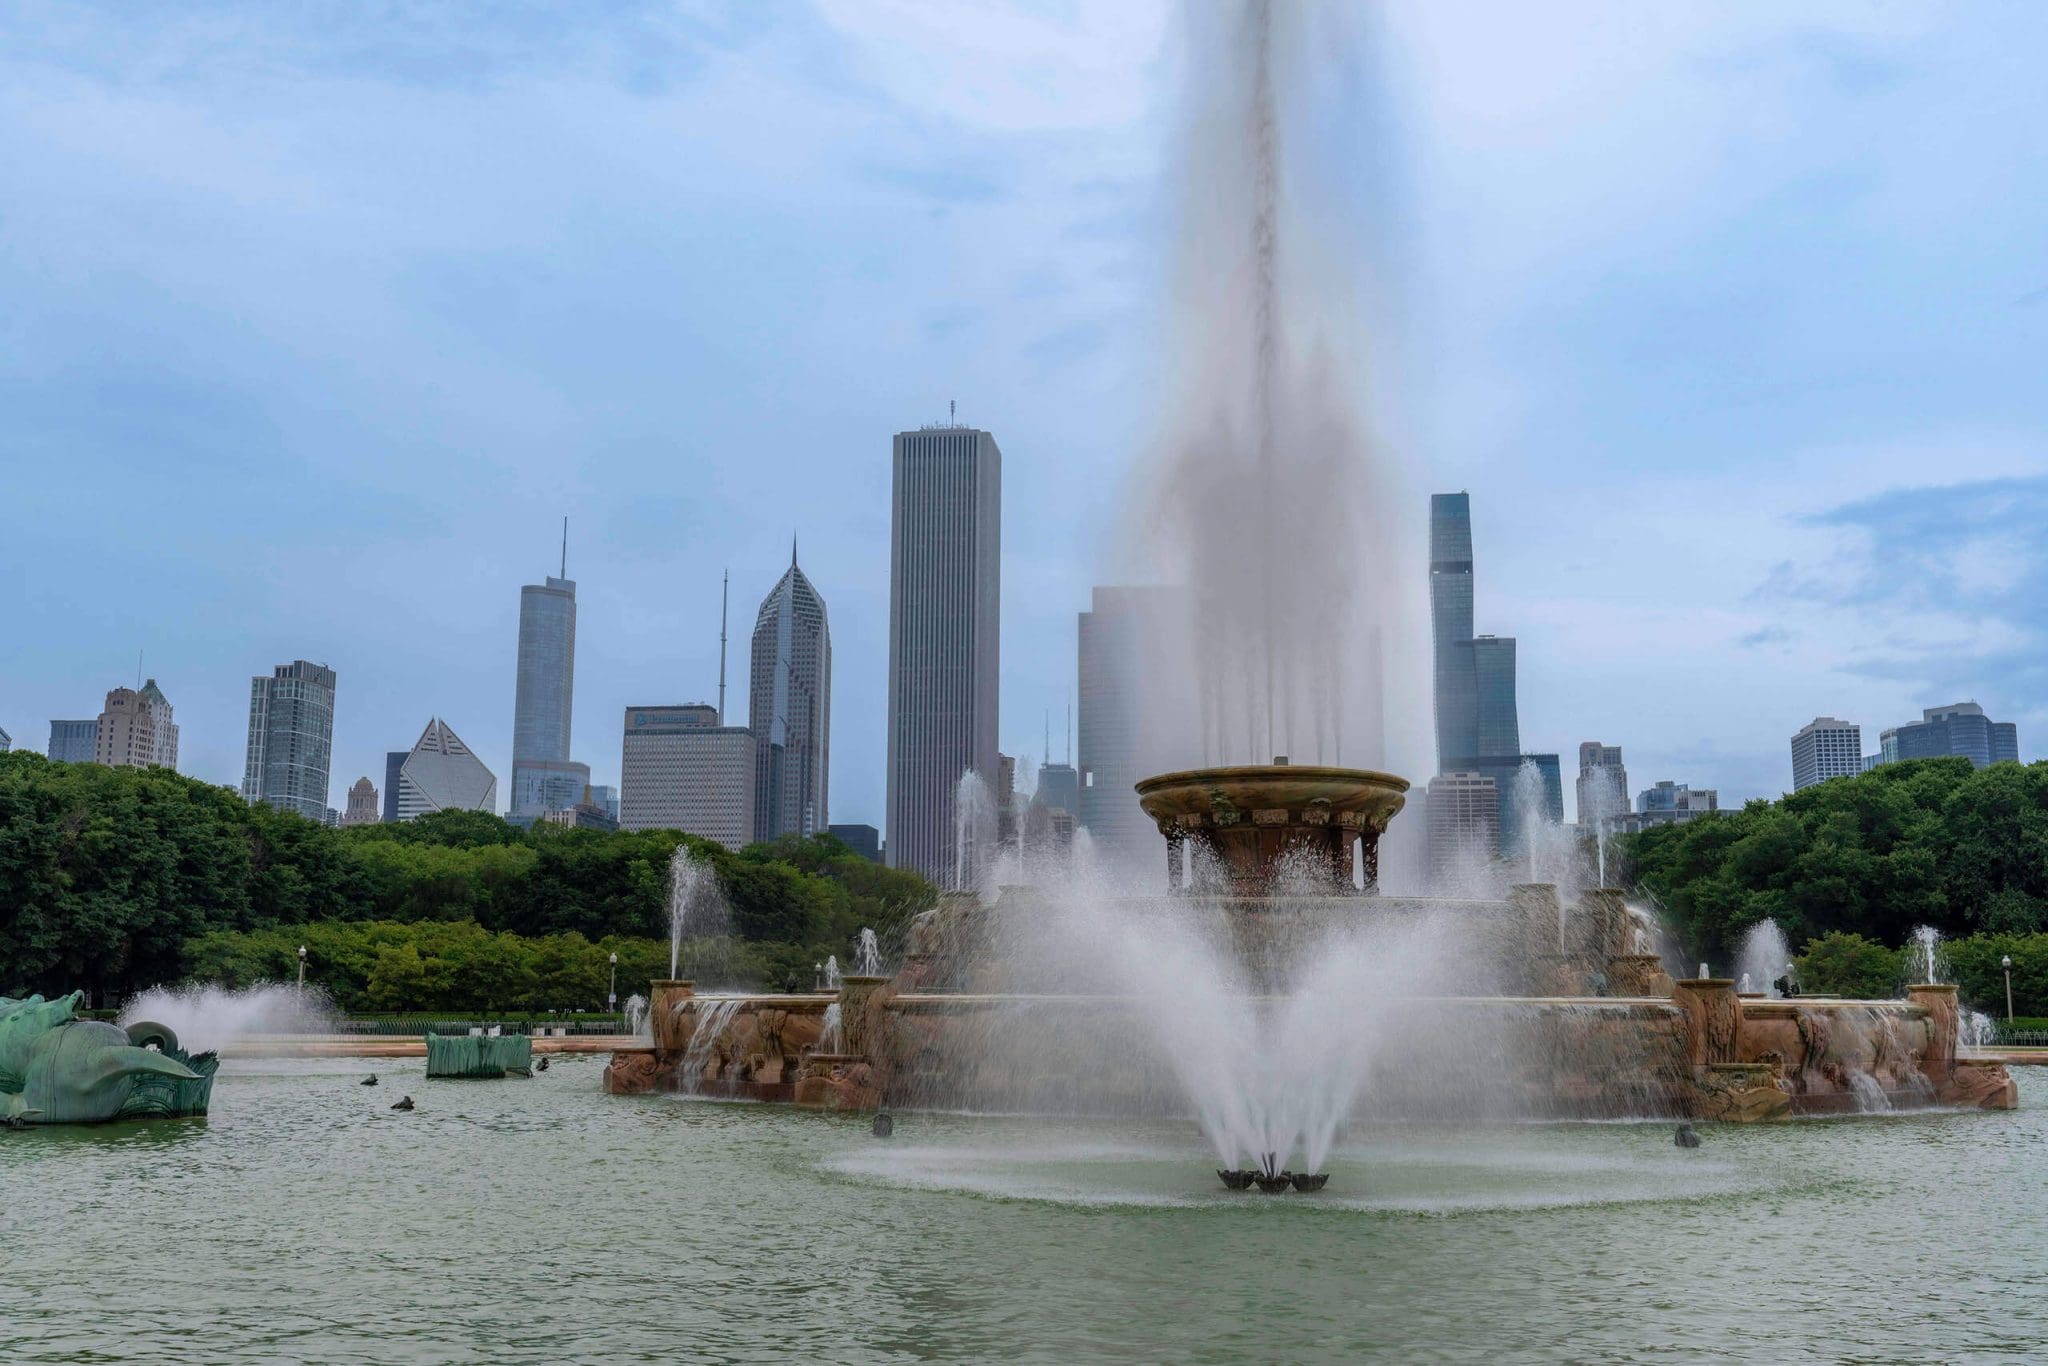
{"x":724,"y":591}
{"x":138,"y":666}
{"x":952,"y":413}
{"x":565,"y":547}
{"x":1045,"y":754}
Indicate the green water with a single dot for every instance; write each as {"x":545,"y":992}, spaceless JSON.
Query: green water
{"x":542,"y":1221}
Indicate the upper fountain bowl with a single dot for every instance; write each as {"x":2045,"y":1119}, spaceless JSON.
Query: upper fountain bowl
{"x":1275,"y":827}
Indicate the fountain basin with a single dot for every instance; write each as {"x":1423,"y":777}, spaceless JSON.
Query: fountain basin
{"x":1275,"y":821}
{"x":1273,"y":1185}
{"x":1236,"y":1180}
{"x":1305,"y":1181}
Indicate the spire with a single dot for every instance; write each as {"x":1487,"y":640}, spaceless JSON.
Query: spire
{"x":565,"y":547}
{"x":792,"y":550}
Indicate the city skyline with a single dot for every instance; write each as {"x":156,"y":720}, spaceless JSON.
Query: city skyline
{"x":1845,"y":455}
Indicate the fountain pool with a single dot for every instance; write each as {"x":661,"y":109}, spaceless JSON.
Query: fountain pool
{"x":664,"y":1227}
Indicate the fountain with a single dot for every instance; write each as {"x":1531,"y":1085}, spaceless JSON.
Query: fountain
{"x":696,"y":911}
{"x":58,"y":1069}
{"x":1765,"y":960}
{"x":1275,"y":992}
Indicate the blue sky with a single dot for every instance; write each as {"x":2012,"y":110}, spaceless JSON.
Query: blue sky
{"x":314,"y":321}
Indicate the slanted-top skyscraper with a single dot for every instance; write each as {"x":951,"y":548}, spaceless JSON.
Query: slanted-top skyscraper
{"x":789,"y":709}
{"x":544,"y":777}
{"x":945,"y":583}
{"x":291,"y":738}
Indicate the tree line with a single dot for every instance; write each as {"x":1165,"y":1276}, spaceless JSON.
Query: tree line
{"x":116,"y":879}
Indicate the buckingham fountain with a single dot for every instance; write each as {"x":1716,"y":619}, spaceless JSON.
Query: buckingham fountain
{"x":1273,"y":995}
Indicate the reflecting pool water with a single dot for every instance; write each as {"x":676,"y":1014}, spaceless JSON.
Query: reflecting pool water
{"x":541,"y":1221}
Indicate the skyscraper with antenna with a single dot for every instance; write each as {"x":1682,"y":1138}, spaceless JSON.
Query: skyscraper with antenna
{"x":544,"y":777}
{"x":789,"y":708}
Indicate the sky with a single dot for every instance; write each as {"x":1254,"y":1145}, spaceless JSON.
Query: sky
{"x":316,"y":320}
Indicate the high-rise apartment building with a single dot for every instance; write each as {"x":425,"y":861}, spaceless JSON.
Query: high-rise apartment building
{"x":1826,"y":748}
{"x":544,"y":777}
{"x":1463,"y":813}
{"x":1960,"y":728}
{"x":680,"y":770}
{"x":1603,"y":784}
{"x":440,"y":773}
{"x":74,"y":742}
{"x":945,"y":585}
{"x":362,"y":804}
{"x":291,"y":738}
{"x":135,"y":729}
{"x":789,"y":709}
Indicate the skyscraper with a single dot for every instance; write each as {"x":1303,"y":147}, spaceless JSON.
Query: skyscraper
{"x":291,"y":738}
{"x":440,"y":773}
{"x":1478,"y":725}
{"x":1450,"y":616}
{"x":1603,"y":784}
{"x":1960,"y":728}
{"x":394,"y":764}
{"x":135,"y":729}
{"x":945,"y":582}
{"x":74,"y":742}
{"x":6,"y":742}
{"x":544,"y":777}
{"x":1826,"y":748}
{"x":680,"y":770}
{"x":1135,"y":714}
{"x":362,"y":804}
{"x":789,"y":709}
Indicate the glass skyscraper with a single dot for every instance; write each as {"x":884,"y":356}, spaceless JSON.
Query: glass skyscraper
{"x":544,"y":777}
{"x":1478,"y":726}
{"x":291,"y":738}
{"x":1961,"y":728}
{"x":789,"y":709}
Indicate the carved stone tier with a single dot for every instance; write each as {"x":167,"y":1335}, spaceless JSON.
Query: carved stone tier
{"x":1275,"y":824}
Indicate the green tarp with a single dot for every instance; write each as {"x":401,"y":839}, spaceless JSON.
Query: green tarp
{"x":478,"y":1055}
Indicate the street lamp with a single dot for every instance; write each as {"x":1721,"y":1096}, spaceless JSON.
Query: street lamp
{"x":612,"y":998}
{"x":302,"y":967}
{"x":2006,"y":963}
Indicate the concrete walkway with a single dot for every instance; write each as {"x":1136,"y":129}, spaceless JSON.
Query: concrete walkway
{"x":405,"y":1045}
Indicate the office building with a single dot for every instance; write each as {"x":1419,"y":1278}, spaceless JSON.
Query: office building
{"x":135,"y":729}
{"x":394,"y":764}
{"x":1826,"y":748}
{"x":1059,"y":787}
{"x":789,"y":709}
{"x":681,"y":770}
{"x":608,"y":798}
{"x":439,"y":773}
{"x":1960,"y":728}
{"x":1463,"y":815}
{"x":291,"y":738}
{"x":1450,"y":613}
{"x":544,"y":777}
{"x":586,"y":813}
{"x":74,"y":742}
{"x":1134,"y":715}
{"x":362,"y":804}
{"x":1602,"y":790}
{"x":6,"y":742}
{"x":864,"y":840}
{"x":945,"y":587}
{"x":1667,"y":803}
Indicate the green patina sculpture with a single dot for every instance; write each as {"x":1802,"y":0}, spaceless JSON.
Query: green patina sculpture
{"x":456,"y":1055}
{"x":58,"y":1069}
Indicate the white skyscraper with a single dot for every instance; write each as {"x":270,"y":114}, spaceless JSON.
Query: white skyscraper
{"x":790,"y":709}
{"x":440,"y":774}
{"x":1826,"y":748}
{"x":945,"y":585}
{"x":291,"y":738}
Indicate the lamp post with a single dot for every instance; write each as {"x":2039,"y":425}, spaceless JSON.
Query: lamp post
{"x":2006,"y":963}
{"x":611,"y":999}
{"x":302,"y":967}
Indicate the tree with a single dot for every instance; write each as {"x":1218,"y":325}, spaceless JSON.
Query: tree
{"x":1840,"y":964}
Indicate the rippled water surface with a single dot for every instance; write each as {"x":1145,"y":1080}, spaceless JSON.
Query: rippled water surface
{"x":542,"y":1221}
